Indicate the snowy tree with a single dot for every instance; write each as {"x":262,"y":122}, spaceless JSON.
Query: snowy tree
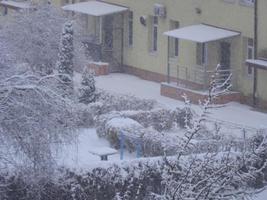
{"x":33,"y":38}
{"x":87,"y":90}
{"x":34,"y":120}
{"x":65,"y":63}
{"x":215,"y":174}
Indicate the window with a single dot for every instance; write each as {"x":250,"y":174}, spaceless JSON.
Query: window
{"x":247,"y":2}
{"x":230,"y":1}
{"x":130,"y":29}
{"x":250,"y":52}
{"x":174,"y":42}
{"x":155,"y":34}
{"x":202,"y":52}
{"x":5,"y":10}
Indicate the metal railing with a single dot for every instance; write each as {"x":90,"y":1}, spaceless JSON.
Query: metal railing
{"x":199,"y":76}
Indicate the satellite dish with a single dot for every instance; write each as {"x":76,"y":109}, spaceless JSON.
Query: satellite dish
{"x":143,"y":20}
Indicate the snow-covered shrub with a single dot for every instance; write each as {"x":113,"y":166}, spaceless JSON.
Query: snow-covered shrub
{"x":180,"y":115}
{"x":87,"y":90}
{"x":123,"y":102}
{"x":65,"y":62}
{"x":158,"y":119}
{"x":98,"y":184}
{"x":84,"y":115}
{"x":134,"y":181}
{"x":113,"y":127}
{"x":153,"y":143}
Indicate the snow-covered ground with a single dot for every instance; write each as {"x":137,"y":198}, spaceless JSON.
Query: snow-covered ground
{"x":261,"y":196}
{"x":233,"y":113}
{"x":77,"y":155}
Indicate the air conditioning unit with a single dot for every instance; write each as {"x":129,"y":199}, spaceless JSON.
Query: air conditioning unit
{"x":160,"y":10}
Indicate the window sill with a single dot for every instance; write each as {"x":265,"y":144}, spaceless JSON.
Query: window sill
{"x":246,"y":4}
{"x":130,"y":47}
{"x":153,"y":53}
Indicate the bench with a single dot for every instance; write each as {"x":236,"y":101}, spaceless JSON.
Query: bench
{"x":103,"y":152}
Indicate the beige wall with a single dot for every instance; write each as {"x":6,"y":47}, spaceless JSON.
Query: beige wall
{"x":214,"y":12}
{"x":262,"y":48}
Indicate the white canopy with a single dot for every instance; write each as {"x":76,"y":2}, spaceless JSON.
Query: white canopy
{"x":201,"y":33}
{"x":258,"y":63}
{"x":95,"y":8}
{"x":15,"y":4}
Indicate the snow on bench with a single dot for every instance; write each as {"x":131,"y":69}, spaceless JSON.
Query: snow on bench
{"x":103,"y":152}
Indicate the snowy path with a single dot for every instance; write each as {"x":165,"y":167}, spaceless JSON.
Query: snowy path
{"x":233,"y":112}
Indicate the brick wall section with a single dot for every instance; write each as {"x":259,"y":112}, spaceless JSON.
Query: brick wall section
{"x":261,"y":104}
{"x":99,"y":69}
{"x":144,"y":74}
{"x":177,"y":93}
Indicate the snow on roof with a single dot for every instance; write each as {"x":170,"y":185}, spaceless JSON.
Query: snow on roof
{"x":15,"y":4}
{"x":95,"y":8}
{"x":201,"y":33}
{"x":258,"y":63}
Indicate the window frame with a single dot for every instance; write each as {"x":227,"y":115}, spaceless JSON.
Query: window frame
{"x":155,"y":29}
{"x":174,"y":49}
{"x":130,"y":28}
{"x":5,"y":11}
{"x":250,"y":54}
{"x":247,"y":2}
{"x":202,"y":54}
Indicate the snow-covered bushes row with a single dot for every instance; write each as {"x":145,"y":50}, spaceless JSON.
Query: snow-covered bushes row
{"x":130,"y":182}
{"x":154,"y":143}
{"x":105,"y":102}
{"x":118,"y":102}
{"x":113,"y":126}
{"x":204,"y":176}
{"x":158,"y":119}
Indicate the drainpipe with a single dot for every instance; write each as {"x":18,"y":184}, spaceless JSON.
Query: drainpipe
{"x":168,"y":61}
{"x":122,"y":40}
{"x":255,"y":51}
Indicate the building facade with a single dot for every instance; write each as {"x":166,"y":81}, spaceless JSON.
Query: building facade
{"x":206,"y":33}
{"x":147,"y":51}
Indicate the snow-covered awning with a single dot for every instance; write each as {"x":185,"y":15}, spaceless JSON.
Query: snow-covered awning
{"x":95,"y":8}
{"x":201,"y":33}
{"x":16,"y":4}
{"x":262,"y":64}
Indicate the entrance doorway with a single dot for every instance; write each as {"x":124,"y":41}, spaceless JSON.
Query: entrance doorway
{"x":225,"y":64}
{"x":225,"y":55}
{"x":108,"y":32}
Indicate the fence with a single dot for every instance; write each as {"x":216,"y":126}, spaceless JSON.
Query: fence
{"x":199,"y":75}
{"x":137,"y":141}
